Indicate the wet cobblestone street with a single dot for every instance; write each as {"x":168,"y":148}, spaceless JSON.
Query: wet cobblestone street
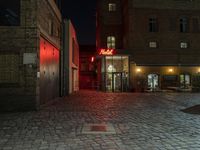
{"x":142,"y":121}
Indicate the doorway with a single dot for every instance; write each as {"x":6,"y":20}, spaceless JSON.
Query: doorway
{"x":116,"y":73}
{"x":153,"y":82}
{"x":185,"y":81}
{"x":117,"y":82}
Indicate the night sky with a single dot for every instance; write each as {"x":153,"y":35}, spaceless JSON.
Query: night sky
{"x":82,"y":14}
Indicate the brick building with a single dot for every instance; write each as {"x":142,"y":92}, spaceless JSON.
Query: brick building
{"x":29,"y":53}
{"x":155,"y":43}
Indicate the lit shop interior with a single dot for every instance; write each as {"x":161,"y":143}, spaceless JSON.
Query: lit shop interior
{"x":115,"y":73}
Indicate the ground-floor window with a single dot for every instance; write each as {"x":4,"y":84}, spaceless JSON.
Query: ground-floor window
{"x":185,"y":80}
{"x":169,"y":81}
{"x":115,"y":72}
{"x":153,"y":81}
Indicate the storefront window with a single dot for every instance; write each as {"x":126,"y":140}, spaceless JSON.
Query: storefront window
{"x":153,"y":80}
{"x":125,"y":64}
{"x":109,"y":64}
{"x":184,"y":81}
{"x":116,"y":73}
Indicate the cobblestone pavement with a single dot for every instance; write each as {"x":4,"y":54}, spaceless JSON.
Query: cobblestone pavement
{"x":141,"y":120}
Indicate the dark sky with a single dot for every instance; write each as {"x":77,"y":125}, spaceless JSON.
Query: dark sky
{"x":82,"y":14}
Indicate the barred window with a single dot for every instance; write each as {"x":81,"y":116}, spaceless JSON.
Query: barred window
{"x":195,"y":23}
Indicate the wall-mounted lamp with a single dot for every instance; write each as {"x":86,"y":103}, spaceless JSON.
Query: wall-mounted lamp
{"x":198,"y":71}
{"x":138,"y":70}
{"x":171,"y":70}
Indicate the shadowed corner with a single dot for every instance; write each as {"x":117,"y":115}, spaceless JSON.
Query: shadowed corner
{"x":192,"y":110}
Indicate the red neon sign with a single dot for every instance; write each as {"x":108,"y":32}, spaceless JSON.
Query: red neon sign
{"x":106,"y":51}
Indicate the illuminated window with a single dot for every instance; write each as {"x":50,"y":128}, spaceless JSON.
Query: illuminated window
{"x":153,"y":24}
{"x":112,"y":7}
{"x":153,"y":44}
{"x":110,"y":42}
{"x":184,"y":24}
{"x":185,"y":80}
{"x":184,"y":45}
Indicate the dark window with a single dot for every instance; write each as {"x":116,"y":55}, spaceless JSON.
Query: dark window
{"x":153,"y":25}
{"x":9,"y":12}
{"x":170,"y":77}
{"x":184,"y":25}
{"x":172,"y":24}
{"x":195,"y":23}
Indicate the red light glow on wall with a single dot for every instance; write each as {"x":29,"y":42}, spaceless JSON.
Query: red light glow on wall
{"x":49,"y":56}
{"x":92,"y":59}
{"x":106,"y":51}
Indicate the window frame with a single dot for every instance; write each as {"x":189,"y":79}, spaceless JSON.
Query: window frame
{"x":152,"y":46}
{"x":184,"y":24}
{"x":111,"y":42}
{"x":153,"y":24}
{"x":184,"y":45}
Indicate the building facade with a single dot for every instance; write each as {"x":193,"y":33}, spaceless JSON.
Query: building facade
{"x":88,"y":74}
{"x":69,"y":60}
{"x":29,"y":53}
{"x":148,"y":45}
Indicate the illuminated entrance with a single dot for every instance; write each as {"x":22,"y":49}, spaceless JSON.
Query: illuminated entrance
{"x":115,"y":73}
{"x":153,"y":80}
